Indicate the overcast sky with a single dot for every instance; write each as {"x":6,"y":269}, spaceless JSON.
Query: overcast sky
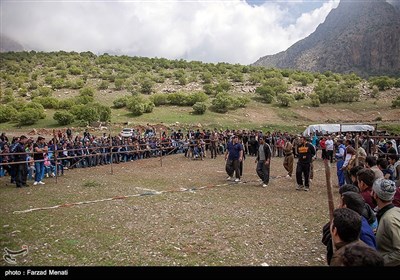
{"x":233,"y":31}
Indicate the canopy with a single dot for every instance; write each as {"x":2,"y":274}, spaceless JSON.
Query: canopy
{"x":333,"y":128}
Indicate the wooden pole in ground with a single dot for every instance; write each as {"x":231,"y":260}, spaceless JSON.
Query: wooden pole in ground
{"x":329,"y":188}
{"x":55,"y":154}
{"x":111,"y":149}
{"x":356,"y":140}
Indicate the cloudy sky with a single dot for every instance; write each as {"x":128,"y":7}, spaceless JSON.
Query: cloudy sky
{"x":233,"y":31}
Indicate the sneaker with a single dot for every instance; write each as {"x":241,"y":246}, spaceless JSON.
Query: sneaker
{"x":35,"y":183}
{"x":306,"y":188}
{"x":264,"y":185}
{"x":47,"y":175}
{"x":237,"y":180}
{"x":53,"y":175}
{"x":288,"y":176}
{"x":41,"y":183}
{"x":229,"y":178}
{"x":299,"y":187}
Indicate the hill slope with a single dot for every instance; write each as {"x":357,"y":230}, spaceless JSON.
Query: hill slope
{"x":361,"y":37}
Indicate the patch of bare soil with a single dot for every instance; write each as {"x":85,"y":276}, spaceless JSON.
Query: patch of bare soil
{"x":181,"y":213}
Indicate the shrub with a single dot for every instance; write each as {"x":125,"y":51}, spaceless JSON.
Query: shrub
{"x":47,"y":102}
{"x":199,"y":108}
{"x":148,"y":107}
{"x":396,"y":102}
{"x":299,"y":95}
{"x":159,"y":99}
{"x":66,"y":103}
{"x":222,"y":102}
{"x":137,"y":109}
{"x":36,"y":106}
{"x":63,"y":117}
{"x":7,"y":113}
{"x":120,"y":102}
{"x":285,"y":99}
{"x":28,"y":117}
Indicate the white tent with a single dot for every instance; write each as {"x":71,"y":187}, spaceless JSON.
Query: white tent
{"x":334,"y":128}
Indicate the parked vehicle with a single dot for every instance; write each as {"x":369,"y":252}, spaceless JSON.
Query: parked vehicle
{"x":127,"y":132}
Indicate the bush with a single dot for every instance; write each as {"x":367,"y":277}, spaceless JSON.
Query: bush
{"x":37,"y":107}
{"x":199,"y":108}
{"x":7,"y":113}
{"x":148,"y":107}
{"x":104,"y":85}
{"x":87,"y":91}
{"x":89,"y":114}
{"x":195,"y":97}
{"x":299,"y":95}
{"x":28,"y":117}
{"x":177,"y":98}
{"x":47,"y":102}
{"x":396,"y":102}
{"x":66,"y":104}
{"x":285,"y":99}
{"x":159,"y":99}
{"x":120,"y":102}
{"x":63,"y":117}
{"x":137,"y":109}
{"x":314,"y":100}
{"x":222,"y":102}
{"x":146,"y":87}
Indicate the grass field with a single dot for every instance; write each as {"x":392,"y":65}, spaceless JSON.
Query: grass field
{"x":169,"y":220}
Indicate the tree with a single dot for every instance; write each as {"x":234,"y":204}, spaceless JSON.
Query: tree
{"x":199,"y":108}
{"x":146,"y":87}
{"x":7,"y":113}
{"x":28,"y":117}
{"x":63,"y":117}
{"x":284,"y":99}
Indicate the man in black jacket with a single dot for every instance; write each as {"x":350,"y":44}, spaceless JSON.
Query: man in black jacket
{"x":263,"y":161}
{"x":21,"y":165}
{"x":305,"y":152}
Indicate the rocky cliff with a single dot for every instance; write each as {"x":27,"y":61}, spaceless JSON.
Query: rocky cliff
{"x":358,"y":36}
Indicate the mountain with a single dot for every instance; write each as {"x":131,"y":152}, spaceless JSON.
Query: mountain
{"x":358,"y":36}
{"x":9,"y":45}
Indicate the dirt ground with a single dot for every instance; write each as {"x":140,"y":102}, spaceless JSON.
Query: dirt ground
{"x":183,"y":213}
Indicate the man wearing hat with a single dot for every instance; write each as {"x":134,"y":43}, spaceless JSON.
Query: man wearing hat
{"x":388,"y":233}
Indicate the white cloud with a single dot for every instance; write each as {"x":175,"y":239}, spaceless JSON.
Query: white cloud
{"x":210,"y":31}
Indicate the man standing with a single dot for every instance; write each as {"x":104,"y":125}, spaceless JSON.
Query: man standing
{"x":21,"y":166}
{"x":305,"y":153}
{"x":289,"y":158}
{"x":233,"y":156}
{"x":39,"y":148}
{"x":388,"y":233}
{"x":263,"y":161}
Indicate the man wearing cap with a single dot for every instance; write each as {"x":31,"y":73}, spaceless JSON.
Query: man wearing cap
{"x":388,"y":233}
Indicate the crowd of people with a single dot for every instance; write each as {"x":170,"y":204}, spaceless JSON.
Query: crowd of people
{"x":365,"y":229}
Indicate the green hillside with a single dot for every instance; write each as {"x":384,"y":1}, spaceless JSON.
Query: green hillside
{"x":59,"y":89}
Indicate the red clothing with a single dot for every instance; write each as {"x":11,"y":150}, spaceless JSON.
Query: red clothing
{"x":322,"y":144}
{"x":366,"y":194}
{"x":396,"y":199}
